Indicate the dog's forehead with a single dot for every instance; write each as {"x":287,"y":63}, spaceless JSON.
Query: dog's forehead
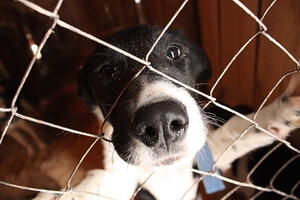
{"x":139,"y":39}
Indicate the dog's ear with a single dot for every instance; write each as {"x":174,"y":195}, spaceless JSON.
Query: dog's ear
{"x":201,"y":70}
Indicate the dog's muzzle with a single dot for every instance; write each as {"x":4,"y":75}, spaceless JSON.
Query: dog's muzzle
{"x":166,"y":126}
{"x":160,"y":124}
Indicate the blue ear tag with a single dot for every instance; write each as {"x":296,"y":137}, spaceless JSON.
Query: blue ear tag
{"x":205,"y":163}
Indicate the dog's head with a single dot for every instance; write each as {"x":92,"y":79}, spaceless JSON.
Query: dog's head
{"x":156,"y":122}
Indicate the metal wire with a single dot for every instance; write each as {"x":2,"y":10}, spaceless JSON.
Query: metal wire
{"x":53,"y":15}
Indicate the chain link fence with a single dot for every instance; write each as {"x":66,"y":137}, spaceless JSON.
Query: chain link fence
{"x":263,"y":31}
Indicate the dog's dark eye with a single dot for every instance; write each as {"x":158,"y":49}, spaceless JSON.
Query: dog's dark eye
{"x":174,"y":52}
{"x":108,"y":70}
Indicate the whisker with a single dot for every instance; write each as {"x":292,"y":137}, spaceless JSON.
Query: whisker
{"x":201,"y":103}
{"x":198,"y":84}
{"x":214,"y":117}
{"x":62,"y":133}
{"x":214,"y":120}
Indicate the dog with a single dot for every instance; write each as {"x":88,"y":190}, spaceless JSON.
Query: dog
{"x":156,"y":124}
{"x":156,"y":127}
{"x":154,"y":115}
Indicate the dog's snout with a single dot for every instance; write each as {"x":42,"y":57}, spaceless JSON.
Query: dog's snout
{"x":161,"y":123}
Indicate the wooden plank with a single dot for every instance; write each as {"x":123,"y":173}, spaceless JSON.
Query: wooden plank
{"x":208,"y":17}
{"x":122,"y":13}
{"x":236,"y":28}
{"x":151,"y":17}
{"x":164,"y":11}
{"x":99,"y":17}
{"x":186,"y":20}
{"x":89,"y":17}
{"x":49,"y":5}
{"x":283,"y":22}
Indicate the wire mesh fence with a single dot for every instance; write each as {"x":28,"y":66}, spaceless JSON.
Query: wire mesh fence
{"x":263,"y":31}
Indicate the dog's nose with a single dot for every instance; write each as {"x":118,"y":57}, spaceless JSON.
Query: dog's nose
{"x":160,"y":123}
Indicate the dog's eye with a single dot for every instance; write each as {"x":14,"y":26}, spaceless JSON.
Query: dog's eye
{"x":174,"y":52}
{"x":108,"y":70}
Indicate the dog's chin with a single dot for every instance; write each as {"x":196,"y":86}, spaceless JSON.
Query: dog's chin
{"x":169,"y":160}
{"x":166,"y":160}
{"x":140,"y":155}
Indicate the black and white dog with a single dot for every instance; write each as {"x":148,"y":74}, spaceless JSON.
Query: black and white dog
{"x":156,"y":122}
{"x":156,"y":127}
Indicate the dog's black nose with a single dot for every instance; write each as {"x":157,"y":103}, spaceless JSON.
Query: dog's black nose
{"x":160,"y":123}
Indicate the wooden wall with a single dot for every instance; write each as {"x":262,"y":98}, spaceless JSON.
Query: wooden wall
{"x":283,"y":22}
{"x":220,"y":26}
{"x":225,"y":28}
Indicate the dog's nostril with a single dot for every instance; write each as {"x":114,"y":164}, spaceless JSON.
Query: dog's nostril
{"x":150,"y":131}
{"x":177,"y":126}
{"x":148,"y":136}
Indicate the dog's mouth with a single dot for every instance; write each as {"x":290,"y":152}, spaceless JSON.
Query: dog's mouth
{"x":169,"y":160}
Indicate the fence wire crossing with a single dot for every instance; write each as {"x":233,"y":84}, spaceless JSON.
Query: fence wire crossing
{"x":56,"y":21}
